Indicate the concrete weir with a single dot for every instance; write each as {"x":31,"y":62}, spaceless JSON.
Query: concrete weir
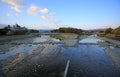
{"x":70,"y":42}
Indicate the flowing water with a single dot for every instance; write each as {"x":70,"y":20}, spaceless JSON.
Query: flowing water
{"x":87,"y":59}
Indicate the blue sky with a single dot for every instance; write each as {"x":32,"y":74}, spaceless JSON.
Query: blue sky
{"x":52,"y":14}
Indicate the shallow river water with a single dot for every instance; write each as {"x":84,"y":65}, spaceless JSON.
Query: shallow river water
{"x":87,"y":59}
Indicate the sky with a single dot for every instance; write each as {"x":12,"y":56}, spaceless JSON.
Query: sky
{"x":52,"y":14}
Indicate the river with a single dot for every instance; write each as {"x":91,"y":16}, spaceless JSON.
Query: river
{"x":87,"y":58}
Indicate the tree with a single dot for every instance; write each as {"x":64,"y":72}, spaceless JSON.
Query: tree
{"x":109,"y":30}
{"x":116,"y":31}
{"x":16,"y":26}
{"x":8,"y":26}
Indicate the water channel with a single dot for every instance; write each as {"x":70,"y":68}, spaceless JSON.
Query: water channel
{"x":87,"y":59}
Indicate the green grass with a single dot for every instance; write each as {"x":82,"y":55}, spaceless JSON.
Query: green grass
{"x":57,"y":36}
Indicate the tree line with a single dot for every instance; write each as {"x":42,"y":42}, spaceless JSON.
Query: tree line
{"x":16,"y":30}
{"x":113,"y":31}
{"x":68,"y":30}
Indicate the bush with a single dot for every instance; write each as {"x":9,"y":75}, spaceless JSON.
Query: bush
{"x":109,"y":30}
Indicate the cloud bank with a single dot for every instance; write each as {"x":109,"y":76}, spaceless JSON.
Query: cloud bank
{"x":51,"y":19}
{"x":44,"y":11}
{"x":33,"y":10}
{"x":15,"y":4}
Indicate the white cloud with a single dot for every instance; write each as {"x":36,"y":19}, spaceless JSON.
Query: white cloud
{"x":44,"y":11}
{"x":50,"y":19}
{"x":41,"y":27}
{"x":15,"y":4}
{"x":16,"y":9}
{"x":44,"y":18}
{"x":16,"y":14}
{"x":8,"y":14}
{"x":33,"y":10}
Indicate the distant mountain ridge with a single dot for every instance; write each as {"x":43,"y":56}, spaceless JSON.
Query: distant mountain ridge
{"x":44,"y":31}
{"x":95,"y":30}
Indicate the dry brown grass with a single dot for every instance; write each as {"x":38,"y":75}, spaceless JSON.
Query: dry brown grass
{"x":112,"y":36}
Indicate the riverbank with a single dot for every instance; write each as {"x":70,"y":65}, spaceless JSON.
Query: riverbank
{"x":113,"y":36}
{"x":114,"y":43}
{"x":15,"y":37}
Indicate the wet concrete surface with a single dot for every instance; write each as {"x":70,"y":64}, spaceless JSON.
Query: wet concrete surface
{"x":49,"y":60}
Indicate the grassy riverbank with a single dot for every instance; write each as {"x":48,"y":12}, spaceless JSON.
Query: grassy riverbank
{"x":110,"y":36}
{"x":111,"y":33}
{"x":113,"y":36}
